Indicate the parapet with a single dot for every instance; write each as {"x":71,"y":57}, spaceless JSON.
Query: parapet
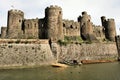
{"x":84,"y":13}
{"x":3,"y":27}
{"x":70,"y":24}
{"x":54,"y":7}
{"x":32,"y":19}
{"x":15,"y":11}
{"x":111,"y":19}
{"x":103,"y":16}
{"x":24,"y":41}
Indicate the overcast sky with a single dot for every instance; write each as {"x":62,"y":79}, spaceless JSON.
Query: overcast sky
{"x":71,"y":9}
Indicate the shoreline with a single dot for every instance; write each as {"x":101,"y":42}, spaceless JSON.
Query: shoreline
{"x":84,"y":62}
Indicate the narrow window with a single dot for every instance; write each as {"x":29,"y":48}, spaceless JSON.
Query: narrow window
{"x":71,"y":26}
{"x":28,"y":25}
{"x":60,"y":12}
{"x":19,"y":20}
{"x":63,"y":24}
{"x":35,"y":25}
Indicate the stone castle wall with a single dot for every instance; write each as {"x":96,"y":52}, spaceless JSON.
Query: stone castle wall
{"x":15,"y":50}
{"x":20,"y":55}
{"x":118,"y":45}
{"x":71,"y":28}
{"x":94,"y":51}
{"x":31,"y":28}
{"x":99,"y":32}
{"x":13,"y":55}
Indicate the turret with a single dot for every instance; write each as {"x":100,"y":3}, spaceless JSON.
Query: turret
{"x":53,"y":17}
{"x":109,"y":26}
{"x":14,"y":25}
{"x":103,"y":20}
{"x":86,"y":26}
{"x":111,"y":30}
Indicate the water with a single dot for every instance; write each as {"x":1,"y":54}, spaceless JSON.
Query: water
{"x":105,"y":71}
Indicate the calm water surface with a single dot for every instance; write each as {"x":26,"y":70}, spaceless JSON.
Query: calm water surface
{"x":106,"y":71}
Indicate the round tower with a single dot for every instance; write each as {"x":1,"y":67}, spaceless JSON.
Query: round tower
{"x":3,"y":32}
{"x":111,"y":32}
{"x":14,"y":25}
{"x":86,"y":26}
{"x":53,"y":16}
{"x":103,"y":21}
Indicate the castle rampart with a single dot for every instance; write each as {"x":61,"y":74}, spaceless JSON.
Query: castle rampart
{"x":99,"y":32}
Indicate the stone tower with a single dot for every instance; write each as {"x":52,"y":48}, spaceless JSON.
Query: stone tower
{"x":14,"y":25}
{"x":86,"y":26}
{"x":53,"y":17}
{"x":103,"y":20}
{"x":3,"y":32}
{"x":109,"y":26}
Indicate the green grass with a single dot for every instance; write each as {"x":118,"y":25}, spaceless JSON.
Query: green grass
{"x":70,"y":39}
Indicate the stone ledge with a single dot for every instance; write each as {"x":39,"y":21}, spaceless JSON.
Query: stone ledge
{"x":24,"y":41}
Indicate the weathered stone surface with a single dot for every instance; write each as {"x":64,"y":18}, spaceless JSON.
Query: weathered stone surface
{"x":31,"y":29}
{"x":25,"y":55}
{"x":99,"y":32}
{"x":54,"y":27}
{"x":14,"y":24}
{"x":3,"y":32}
{"x":86,"y":27}
{"x":71,"y":28}
{"x":53,"y":16}
{"x":109,"y":26}
{"x":94,"y":51}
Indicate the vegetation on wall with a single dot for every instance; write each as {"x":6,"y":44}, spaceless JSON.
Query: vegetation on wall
{"x":70,"y":39}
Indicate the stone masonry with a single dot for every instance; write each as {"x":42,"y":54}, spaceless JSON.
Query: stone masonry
{"x":54,"y":27}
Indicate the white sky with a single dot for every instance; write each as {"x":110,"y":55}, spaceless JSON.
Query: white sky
{"x":71,"y":9}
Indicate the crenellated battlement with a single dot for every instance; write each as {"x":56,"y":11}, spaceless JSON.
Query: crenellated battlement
{"x":109,"y":26}
{"x":71,"y":24}
{"x":111,"y":19}
{"x":54,"y":27}
{"x":16,"y":11}
{"x":32,"y":19}
{"x":54,"y":7}
{"x":84,"y":13}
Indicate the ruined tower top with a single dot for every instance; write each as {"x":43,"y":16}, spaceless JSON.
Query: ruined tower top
{"x":14,"y":24}
{"x":111,"y":19}
{"x":15,"y":11}
{"x":54,"y":7}
{"x":53,"y":16}
{"x":84,"y":13}
{"x":103,"y":17}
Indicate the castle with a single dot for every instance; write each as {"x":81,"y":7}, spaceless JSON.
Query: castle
{"x":54,"y":27}
{"x":26,"y":42}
